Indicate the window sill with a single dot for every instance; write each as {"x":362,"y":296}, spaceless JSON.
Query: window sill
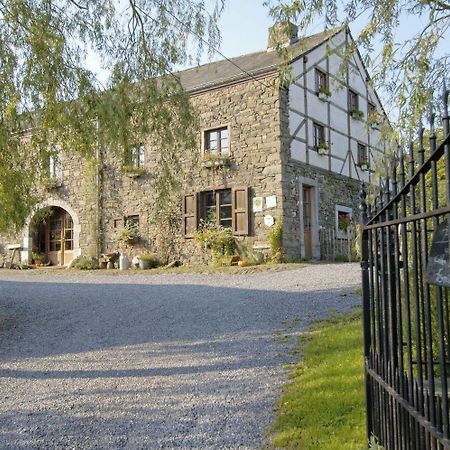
{"x":216,"y":162}
{"x":323,"y":96}
{"x":133,"y":172}
{"x":322,"y":151}
{"x":357,"y":115}
{"x":52,"y":184}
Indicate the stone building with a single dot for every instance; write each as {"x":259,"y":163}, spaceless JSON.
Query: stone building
{"x":265,"y":153}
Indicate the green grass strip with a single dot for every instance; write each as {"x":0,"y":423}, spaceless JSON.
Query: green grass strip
{"x":323,"y":407}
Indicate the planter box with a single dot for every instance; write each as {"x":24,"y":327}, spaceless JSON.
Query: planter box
{"x":144,"y":265}
{"x":357,"y":115}
{"x":216,"y":163}
{"x":324,"y":97}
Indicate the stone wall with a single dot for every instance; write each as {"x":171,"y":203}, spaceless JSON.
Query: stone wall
{"x":251,"y":112}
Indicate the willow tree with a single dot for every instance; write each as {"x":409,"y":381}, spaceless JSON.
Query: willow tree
{"x":51,"y":97}
{"x":406,"y":70}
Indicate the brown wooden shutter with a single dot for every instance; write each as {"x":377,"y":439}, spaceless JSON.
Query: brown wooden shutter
{"x":240,"y":211}
{"x":189,"y":215}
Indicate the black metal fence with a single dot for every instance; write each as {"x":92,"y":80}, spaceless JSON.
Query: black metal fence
{"x":406,"y":279}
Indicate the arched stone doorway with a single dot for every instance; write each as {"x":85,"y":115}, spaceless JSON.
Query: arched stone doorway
{"x":56,"y":233}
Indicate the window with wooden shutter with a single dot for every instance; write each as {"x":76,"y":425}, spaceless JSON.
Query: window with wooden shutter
{"x":189,"y":215}
{"x":240,"y":211}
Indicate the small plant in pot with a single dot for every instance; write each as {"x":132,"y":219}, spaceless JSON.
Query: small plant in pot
{"x":147,"y":261}
{"x":39,"y":259}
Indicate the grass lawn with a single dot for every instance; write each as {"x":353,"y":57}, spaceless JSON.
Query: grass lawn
{"x":324,"y":407}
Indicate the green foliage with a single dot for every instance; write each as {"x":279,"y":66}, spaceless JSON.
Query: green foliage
{"x":218,"y":239}
{"x":151,"y":259}
{"x":38,"y":256}
{"x":323,"y":407}
{"x":50,"y":98}
{"x":275,"y":239}
{"x":85,"y":263}
{"x":129,"y":233}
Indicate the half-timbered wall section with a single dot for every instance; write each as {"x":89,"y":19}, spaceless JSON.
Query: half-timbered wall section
{"x":331,"y":145}
{"x":342,"y":111}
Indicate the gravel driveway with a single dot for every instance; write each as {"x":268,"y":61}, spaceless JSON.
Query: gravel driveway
{"x":182,"y":360}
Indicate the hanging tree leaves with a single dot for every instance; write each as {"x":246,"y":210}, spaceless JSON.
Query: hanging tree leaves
{"x":407,"y":70}
{"x":51,"y":98}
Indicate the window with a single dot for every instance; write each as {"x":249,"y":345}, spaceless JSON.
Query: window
{"x":55,"y":230}
{"x":353,"y":101}
{"x":344,"y":221}
{"x":363,"y":156}
{"x":136,"y":157}
{"x":319,"y":135}
{"x":118,"y":223}
{"x":132,"y":220}
{"x":68,"y":232}
{"x":226,"y":207}
{"x":54,"y":165}
{"x":216,"y":141}
{"x":321,"y":82}
{"x":216,"y":207}
{"x":371,"y":110}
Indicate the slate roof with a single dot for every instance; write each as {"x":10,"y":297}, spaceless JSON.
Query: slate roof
{"x":224,"y":72}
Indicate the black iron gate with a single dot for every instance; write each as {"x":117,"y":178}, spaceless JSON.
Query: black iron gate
{"x":406,"y":275}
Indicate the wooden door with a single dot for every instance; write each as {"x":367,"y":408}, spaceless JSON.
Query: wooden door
{"x":59,"y":237}
{"x":307,"y":220}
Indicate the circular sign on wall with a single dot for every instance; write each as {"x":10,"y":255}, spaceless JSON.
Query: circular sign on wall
{"x":269,"y":221}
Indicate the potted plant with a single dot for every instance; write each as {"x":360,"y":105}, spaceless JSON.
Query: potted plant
{"x":129,"y":234}
{"x":364,"y":165}
{"x":323,"y":93}
{"x":147,"y":261}
{"x":216,"y":161}
{"x":322,"y":148}
{"x":38,"y":259}
{"x":357,"y":114}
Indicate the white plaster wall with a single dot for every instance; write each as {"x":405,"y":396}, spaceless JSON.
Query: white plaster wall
{"x":318,"y":160}
{"x":298,"y":151}
{"x":333,"y":115}
{"x":296,"y":98}
{"x":339,"y":144}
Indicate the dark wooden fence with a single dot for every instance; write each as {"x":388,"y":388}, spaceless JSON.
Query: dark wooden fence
{"x":406,"y":279}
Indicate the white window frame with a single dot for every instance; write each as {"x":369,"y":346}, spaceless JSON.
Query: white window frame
{"x":345,"y":209}
{"x":55,"y":166}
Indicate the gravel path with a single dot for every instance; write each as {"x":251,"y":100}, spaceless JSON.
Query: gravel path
{"x":180,"y":360}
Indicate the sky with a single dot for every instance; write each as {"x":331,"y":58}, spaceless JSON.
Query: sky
{"x":244,"y":28}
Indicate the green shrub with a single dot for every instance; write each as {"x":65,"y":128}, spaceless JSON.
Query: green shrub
{"x":38,"y":256}
{"x":152,"y":259}
{"x":218,"y":239}
{"x":85,"y":263}
{"x":275,"y":238}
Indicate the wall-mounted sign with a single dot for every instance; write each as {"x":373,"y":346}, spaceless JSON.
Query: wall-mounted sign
{"x":271,"y":201}
{"x":438,"y":269}
{"x":269,"y":221}
{"x":257,"y":204}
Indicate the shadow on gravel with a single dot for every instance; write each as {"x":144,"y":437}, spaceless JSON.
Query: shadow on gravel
{"x":62,"y":318}
{"x":53,"y":319}
{"x":146,"y":366}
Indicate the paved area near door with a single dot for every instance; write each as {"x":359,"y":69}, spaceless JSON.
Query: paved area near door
{"x":160,"y":361}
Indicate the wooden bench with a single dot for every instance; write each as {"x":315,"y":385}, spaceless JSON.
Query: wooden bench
{"x":15,"y":249}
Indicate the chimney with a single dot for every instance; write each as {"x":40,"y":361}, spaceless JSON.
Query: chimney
{"x":284,"y":33}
